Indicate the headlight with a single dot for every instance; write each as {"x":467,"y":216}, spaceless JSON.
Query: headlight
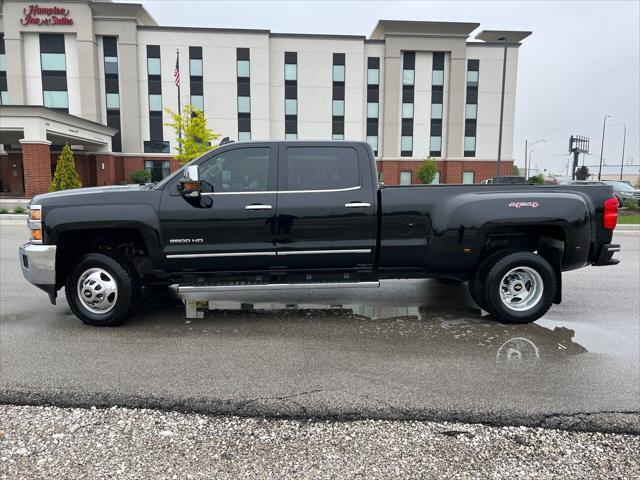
{"x":35,"y":223}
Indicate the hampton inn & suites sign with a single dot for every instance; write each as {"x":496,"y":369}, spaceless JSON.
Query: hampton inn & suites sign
{"x":37,"y":15}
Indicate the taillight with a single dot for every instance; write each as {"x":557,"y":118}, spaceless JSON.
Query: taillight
{"x":610,"y":213}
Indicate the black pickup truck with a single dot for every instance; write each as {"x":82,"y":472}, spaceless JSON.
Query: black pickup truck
{"x":285,"y":215}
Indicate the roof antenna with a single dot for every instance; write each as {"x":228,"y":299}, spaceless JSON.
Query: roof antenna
{"x":224,"y":141}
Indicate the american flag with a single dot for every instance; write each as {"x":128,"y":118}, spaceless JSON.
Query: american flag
{"x":176,"y":72}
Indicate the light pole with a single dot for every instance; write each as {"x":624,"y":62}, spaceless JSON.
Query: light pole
{"x":530,"y":152}
{"x":527,"y":145}
{"x":624,"y":140}
{"x":604,"y":126}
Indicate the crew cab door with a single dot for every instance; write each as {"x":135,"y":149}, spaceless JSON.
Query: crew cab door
{"x":326,"y":207}
{"x":233,"y":230}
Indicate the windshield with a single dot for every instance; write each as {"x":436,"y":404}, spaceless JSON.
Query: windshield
{"x":160,"y":185}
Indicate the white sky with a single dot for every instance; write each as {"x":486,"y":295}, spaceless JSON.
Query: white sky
{"x":582,"y":61}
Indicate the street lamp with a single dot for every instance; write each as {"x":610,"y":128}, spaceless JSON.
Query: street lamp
{"x":530,"y":153}
{"x":604,"y":126}
{"x":624,"y":139}
{"x":526,"y":146}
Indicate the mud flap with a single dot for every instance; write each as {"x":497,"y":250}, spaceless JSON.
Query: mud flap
{"x":553,"y":251}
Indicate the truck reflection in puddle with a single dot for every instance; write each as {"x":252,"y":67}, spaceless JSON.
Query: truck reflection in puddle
{"x":429,"y":330}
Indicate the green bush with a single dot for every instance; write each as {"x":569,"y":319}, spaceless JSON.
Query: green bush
{"x":66,"y":176}
{"x":427,"y":171}
{"x":536,"y":179}
{"x":3,"y":211}
{"x":631,"y":204}
{"x":19,"y":209}
{"x":140,"y":176}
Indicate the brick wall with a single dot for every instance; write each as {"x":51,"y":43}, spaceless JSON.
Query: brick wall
{"x":36,"y":159}
{"x":450,"y":170}
{"x":10,"y":176}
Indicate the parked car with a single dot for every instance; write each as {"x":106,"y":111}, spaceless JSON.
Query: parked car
{"x":507,"y":180}
{"x":286,"y":215}
{"x":623,"y":191}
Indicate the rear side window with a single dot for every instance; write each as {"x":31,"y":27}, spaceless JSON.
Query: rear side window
{"x":322,"y":168}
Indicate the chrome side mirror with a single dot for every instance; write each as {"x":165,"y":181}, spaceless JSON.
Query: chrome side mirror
{"x":191,"y":173}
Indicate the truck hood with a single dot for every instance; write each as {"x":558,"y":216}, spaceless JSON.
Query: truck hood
{"x":80,"y":192}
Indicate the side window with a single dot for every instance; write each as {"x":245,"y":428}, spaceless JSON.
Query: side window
{"x":239,"y":170}
{"x":322,"y":168}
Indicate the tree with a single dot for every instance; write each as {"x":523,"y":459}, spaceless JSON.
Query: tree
{"x":66,"y":176}
{"x":192,"y":134}
{"x":582,"y":173}
{"x":536,"y":179}
{"x":427,"y":171}
{"x":515,"y":170}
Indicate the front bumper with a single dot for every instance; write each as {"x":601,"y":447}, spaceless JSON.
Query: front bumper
{"x":606,"y":255}
{"x":38,"y":264}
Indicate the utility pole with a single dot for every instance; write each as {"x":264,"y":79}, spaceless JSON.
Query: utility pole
{"x":525,"y":160}
{"x":527,"y":165}
{"x":504,"y":76}
{"x":624,"y":140}
{"x":604,"y":126}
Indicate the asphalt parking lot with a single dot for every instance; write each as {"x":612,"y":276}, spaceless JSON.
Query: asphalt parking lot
{"x":410,"y":350}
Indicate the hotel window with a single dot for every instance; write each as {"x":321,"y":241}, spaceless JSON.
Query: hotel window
{"x":196,"y":86}
{"x":244,"y":136}
{"x":156,"y":143}
{"x":373,"y":102}
{"x":4,"y":97}
{"x":337,"y":136}
{"x":243,"y":72}
{"x":408,"y":92}
{"x":372,"y":110}
{"x":471,"y":108}
{"x":155,"y":103}
{"x":338,"y":91}
{"x":112,"y":89}
{"x":373,"y":141}
{"x":436,"y":111}
{"x":157,"y":168}
{"x":437,"y":99}
{"x":113,"y":101}
{"x":290,"y":95}
{"x":435,"y":144}
{"x":405,"y":178}
{"x":290,"y":107}
{"x":407,"y":110}
{"x":468,"y":177}
{"x":338,"y":108}
{"x":244,"y":104}
{"x":54,"y":74}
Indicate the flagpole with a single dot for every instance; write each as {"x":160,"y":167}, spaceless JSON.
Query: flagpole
{"x":178,"y":87}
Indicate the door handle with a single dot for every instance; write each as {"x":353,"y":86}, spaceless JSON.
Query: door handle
{"x":257,"y":206}
{"x":357,"y":204}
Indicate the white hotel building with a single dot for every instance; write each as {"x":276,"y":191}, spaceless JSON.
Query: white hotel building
{"x":98,"y":75}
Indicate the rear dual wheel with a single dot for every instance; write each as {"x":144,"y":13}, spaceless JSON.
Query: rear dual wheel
{"x":514,"y":286}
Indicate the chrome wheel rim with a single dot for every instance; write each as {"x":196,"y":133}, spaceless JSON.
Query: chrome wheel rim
{"x":521,"y":289}
{"x":97,"y":290}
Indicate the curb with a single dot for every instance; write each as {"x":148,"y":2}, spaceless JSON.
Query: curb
{"x":627,"y":228}
{"x":13,"y":216}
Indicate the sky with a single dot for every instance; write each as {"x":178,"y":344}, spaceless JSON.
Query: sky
{"x":581,"y":62}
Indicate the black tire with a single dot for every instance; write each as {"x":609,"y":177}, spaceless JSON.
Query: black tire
{"x":116,"y":271}
{"x":477,"y":280}
{"x":540,"y":302}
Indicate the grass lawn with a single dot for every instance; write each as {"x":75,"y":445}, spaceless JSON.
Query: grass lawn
{"x":628,"y":219}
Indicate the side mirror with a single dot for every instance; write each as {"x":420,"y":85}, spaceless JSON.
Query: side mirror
{"x":189,"y":186}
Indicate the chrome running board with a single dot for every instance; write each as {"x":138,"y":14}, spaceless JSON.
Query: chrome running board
{"x":199,"y":292}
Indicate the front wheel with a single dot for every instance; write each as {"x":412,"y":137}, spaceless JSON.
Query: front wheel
{"x":102,"y":290}
{"x":520,"y":288}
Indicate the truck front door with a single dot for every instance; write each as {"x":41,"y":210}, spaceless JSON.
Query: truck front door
{"x":235,"y":232}
{"x":326,"y":207}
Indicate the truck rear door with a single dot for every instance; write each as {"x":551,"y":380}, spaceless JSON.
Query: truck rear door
{"x":326,"y":216}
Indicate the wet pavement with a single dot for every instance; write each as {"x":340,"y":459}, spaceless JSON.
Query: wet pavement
{"x":409,"y":350}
